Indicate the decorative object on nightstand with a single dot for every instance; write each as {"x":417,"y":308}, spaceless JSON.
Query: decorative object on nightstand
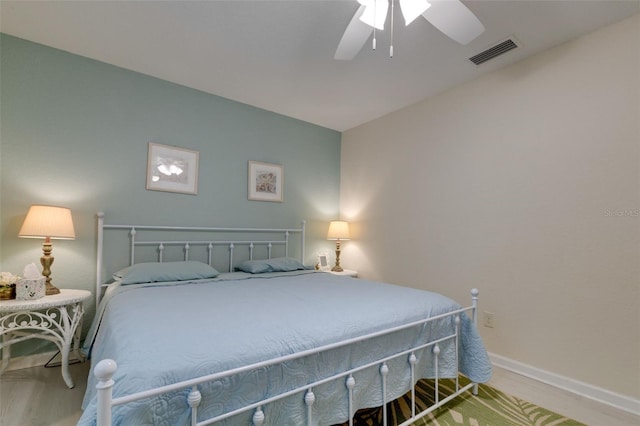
{"x":32,"y":285}
{"x":338,"y":231}
{"x":323,"y":263}
{"x":8,"y":285}
{"x":48,"y":222}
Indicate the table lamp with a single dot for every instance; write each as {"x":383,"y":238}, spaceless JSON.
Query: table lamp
{"x":338,"y":231}
{"x":48,"y":222}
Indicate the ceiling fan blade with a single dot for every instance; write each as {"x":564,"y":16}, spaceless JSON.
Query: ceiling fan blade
{"x":354,"y":37}
{"x":454,"y":19}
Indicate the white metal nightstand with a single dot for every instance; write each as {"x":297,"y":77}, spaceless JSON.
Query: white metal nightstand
{"x":347,"y":272}
{"x":57,"y":318}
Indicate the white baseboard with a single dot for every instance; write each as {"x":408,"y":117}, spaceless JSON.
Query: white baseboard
{"x":585,"y":390}
{"x":28,"y":361}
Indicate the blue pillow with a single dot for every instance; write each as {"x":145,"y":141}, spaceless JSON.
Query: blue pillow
{"x":279,"y":264}
{"x":152,"y":272}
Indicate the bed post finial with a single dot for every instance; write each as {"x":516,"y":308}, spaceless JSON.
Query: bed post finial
{"x":258,"y":416}
{"x":194,"y":399}
{"x":104,"y":372}
{"x":474,"y":303}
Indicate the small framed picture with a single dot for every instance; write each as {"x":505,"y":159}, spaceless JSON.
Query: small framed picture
{"x":323,"y":263}
{"x":265,"y":182}
{"x":172,"y":169}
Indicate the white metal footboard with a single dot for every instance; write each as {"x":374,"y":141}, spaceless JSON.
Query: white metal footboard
{"x":105,"y":370}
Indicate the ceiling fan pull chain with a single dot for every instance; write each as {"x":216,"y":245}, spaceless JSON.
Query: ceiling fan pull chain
{"x":393,"y":3}
{"x":374,"y":39}
{"x":374,"y":28}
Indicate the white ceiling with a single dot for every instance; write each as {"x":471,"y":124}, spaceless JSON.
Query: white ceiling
{"x":278,"y":55}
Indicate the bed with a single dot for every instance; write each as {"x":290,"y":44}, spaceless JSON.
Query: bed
{"x":266,"y":342}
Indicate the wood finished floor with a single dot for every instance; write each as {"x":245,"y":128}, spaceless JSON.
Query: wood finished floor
{"x":38,"y":397}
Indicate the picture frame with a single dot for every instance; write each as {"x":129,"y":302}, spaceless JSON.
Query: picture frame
{"x":172,"y":169}
{"x":265,"y":182}
{"x":323,"y":263}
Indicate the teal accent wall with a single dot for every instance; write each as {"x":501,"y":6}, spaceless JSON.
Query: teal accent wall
{"x":75,"y":132}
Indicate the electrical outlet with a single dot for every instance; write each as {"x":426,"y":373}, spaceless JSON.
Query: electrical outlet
{"x":489,"y":319}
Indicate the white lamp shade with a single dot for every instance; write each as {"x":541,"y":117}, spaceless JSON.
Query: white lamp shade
{"x":338,"y":230}
{"x":48,"y":221}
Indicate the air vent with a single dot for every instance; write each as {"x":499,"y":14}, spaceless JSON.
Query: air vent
{"x":494,"y":51}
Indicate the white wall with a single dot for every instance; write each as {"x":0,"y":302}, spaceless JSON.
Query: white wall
{"x":524,"y":183}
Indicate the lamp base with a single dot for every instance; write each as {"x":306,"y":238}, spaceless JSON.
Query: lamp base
{"x":337,"y":267}
{"x":46,"y":260}
{"x":51,"y":289}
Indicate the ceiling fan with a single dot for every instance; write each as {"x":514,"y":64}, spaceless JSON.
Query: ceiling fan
{"x":449,"y":16}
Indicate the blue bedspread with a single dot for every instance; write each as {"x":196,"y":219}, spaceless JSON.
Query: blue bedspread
{"x":164,"y":333}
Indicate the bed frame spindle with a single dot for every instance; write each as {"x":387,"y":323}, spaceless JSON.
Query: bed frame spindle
{"x":351,"y":384}
{"x":133,"y":245}
{"x":309,"y":399}
{"x":231,"y":247}
{"x":286,"y":238}
{"x":436,"y":352}
{"x":457,"y":325}
{"x":413,"y":360}
{"x":194,"y":401}
{"x":474,"y":318}
{"x":384,"y":371}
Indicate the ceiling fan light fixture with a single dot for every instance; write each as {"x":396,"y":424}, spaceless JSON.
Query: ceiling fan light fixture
{"x":451,"y":17}
{"x":375,"y":13}
{"x":411,"y":9}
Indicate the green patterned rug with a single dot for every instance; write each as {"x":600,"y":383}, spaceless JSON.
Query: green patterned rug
{"x":489,"y":408}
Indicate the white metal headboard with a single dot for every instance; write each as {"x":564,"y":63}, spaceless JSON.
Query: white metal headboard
{"x":270,"y":237}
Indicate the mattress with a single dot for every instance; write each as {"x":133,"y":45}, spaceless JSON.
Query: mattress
{"x":162,"y":333}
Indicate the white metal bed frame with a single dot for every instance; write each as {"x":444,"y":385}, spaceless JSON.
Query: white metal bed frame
{"x":105,"y":369}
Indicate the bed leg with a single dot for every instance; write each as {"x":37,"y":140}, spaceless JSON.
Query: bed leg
{"x":104,"y":371}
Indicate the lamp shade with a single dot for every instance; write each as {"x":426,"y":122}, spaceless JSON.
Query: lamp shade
{"x":338,"y":230}
{"x":48,"y":221}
